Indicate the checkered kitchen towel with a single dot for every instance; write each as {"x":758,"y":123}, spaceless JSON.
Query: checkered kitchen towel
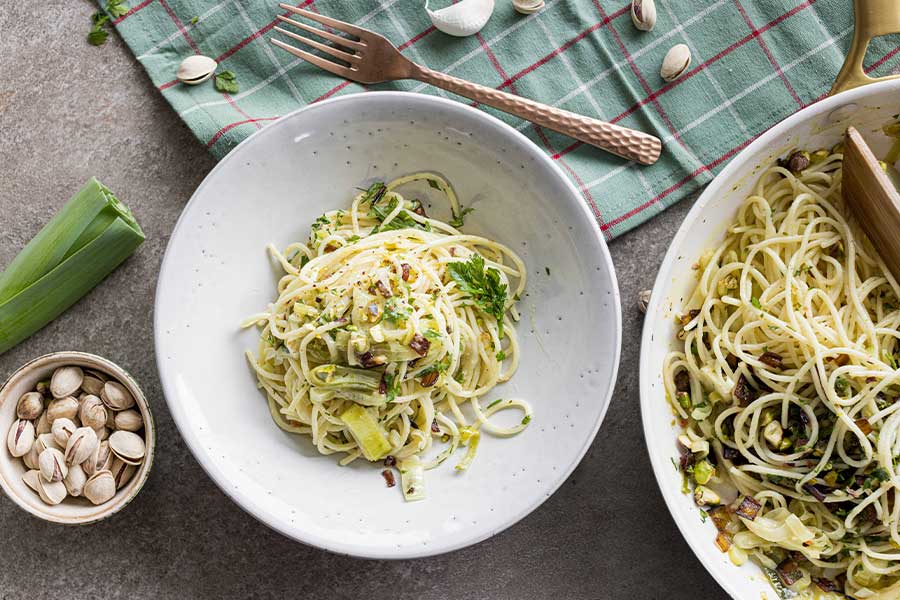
{"x":754,"y":63}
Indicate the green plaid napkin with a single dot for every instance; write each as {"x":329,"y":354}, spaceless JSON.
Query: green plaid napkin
{"x":754,"y":63}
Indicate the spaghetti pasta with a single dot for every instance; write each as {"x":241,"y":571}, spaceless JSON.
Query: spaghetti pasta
{"x":387,"y":326}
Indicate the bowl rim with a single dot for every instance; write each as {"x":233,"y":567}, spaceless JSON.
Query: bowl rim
{"x":140,"y":477}
{"x":719,"y":185}
{"x":244,"y":500}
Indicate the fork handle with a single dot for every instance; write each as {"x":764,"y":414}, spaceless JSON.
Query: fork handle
{"x":621,"y":141}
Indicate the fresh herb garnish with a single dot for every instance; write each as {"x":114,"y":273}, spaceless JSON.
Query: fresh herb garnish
{"x":483,"y":285}
{"x":391,"y":386}
{"x":547,"y":269}
{"x":434,"y":184}
{"x":320,"y":222}
{"x":394,"y":312}
{"x":755,"y":302}
{"x":226,"y":82}
{"x":501,"y":356}
{"x":459,"y":219}
{"x":401,"y":221}
{"x":97,"y":35}
{"x":494,"y":403}
{"x":526,"y":420}
{"x":116,"y":8}
{"x":432,"y":334}
{"x":194,"y":20}
{"x":841,"y":385}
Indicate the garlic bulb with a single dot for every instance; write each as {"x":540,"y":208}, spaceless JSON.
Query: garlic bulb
{"x":466,"y":17}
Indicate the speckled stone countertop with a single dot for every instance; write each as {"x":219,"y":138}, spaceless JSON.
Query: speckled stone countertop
{"x":68,"y":111}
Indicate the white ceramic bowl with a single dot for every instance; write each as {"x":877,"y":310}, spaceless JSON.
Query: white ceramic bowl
{"x":270,"y":189}
{"x":71,"y":511}
{"x":820,"y":125}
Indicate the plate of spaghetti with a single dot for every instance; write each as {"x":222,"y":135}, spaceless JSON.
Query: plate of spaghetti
{"x":389,"y":336}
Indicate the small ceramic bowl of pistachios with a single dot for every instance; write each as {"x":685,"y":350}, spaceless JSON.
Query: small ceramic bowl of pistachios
{"x":79,"y":438}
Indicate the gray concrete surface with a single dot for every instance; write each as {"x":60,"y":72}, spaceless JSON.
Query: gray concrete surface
{"x":69,"y":111}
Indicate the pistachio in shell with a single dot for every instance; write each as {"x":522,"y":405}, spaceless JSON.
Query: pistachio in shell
{"x":51,"y":492}
{"x":75,"y":480}
{"x":196,"y":69}
{"x":32,"y":479}
{"x":92,"y":385}
{"x":30,"y":458}
{"x":676,"y":62}
{"x":128,"y":446}
{"x":116,"y":396}
{"x":100,"y":487}
{"x":30,"y":406}
{"x":82,"y":444}
{"x":100,"y":460}
{"x":61,"y":430}
{"x":129,"y":420}
{"x":66,"y":381}
{"x":122,"y":472}
{"x":44,"y":441}
{"x":20,"y":437}
{"x":92,"y":412}
{"x":53,"y":465}
{"x":43,"y":425}
{"x":62,"y":407}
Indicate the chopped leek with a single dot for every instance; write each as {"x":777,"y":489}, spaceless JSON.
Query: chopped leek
{"x":412,"y":478}
{"x":82,"y":244}
{"x":337,"y":377}
{"x":470,"y":436}
{"x":369,"y":434}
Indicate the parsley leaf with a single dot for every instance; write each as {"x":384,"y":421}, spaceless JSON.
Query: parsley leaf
{"x":526,"y":420}
{"x":755,"y":302}
{"x":494,"y":403}
{"x":391,"y":386}
{"x":401,"y":221}
{"x":483,"y":285}
{"x":501,"y":356}
{"x":394,"y":312}
{"x":458,"y":220}
{"x":432,"y":334}
{"x":434,"y":184}
{"x":841,"y":385}
{"x":194,"y":20}
{"x":116,"y":8}
{"x":226,"y":82}
{"x":97,"y":36}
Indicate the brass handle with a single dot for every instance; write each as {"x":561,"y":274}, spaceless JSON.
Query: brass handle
{"x":621,"y":141}
{"x":872,"y":18}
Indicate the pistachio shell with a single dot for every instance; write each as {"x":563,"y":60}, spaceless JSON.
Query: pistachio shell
{"x":100,"y":487}
{"x":20,"y":437}
{"x":92,"y":412}
{"x":30,"y":406}
{"x":32,"y":479}
{"x":92,"y":385}
{"x":75,"y":480}
{"x":44,"y":441}
{"x":51,"y":492}
{"x":643,"y":14}
{"x":66,"y":381}
{"x":96,"y":375}
{"x":31,"y":457}
{"x":62,"y":429}
{"x":676,"y":62}
{"x":196,"y":69}
{"x":128,"y":446}
{"x":129,"y":420}
{"x":82,"y":444}
{"x":527,"y":7}
{"x":115,"y":396}
{"x":62,"y":407}
{"x":102,"y":433}
{"x":100,"y":460}
{"x":53,"y":465}
{"x":122,"y":472}
{"x":43,"y":425}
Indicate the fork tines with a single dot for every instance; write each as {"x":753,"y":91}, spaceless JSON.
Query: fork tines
{"x":344,"y":49}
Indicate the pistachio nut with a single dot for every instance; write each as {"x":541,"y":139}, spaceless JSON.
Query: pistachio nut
{"x":128,"y":446}
{"x":92,"y":385}
{"x":30,"y":406}
{"x":100,"y":487}
{"x":115,"y":396}
{"x":527,"y":7}
{"x":43,"y":425}
{"x":129,"y":420}
{"x":51,"y":492}
{"x":52,"y":464}
{"x":102,"y":433}
{"x":75,"y":480}
{"x":96,"y":375}
{"x":44,"y":441}
{"x":196,"y":69}
{"x":62,"y":429}
{"x":676,"y":62}
{"x":122,"y":472}
{"x":62,"y":407}
{"x":82,"y":444}
{"x":643,"y":300}
{"x":643,"y":14}
{"x":31,"y":457}
{"x":66,"y":381}
{"x":100,"y":460}
{"x":92,"y":412}
{"x":32,"y":479}
{"x":20,"y":437}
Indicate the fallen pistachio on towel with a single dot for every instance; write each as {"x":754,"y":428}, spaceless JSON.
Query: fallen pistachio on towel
{"x":643,"y":14}
{"x":196,"y":69}
{"x":676,"y":62}
{"x":72,"y":459}
{"x":527,"y":7}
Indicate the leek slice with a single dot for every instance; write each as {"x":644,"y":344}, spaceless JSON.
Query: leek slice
{"x":368,"y":433}
{"x":412,"y":478}
{"x":470,"y":436}
{"x":82,"y":244}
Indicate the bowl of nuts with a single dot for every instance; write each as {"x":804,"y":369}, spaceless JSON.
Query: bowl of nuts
{"x":79,"y":438}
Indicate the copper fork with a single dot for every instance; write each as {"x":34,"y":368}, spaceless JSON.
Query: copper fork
{"x":367,"y":57}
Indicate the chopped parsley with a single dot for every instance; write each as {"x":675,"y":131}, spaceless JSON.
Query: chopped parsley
{"x":841,"y":385}
{"x":526,"y":420}
{"x":116,"y":8}
{"x":320,"y":222}
{"x":434,"y":184}
{"x":494,"y":403}
{"x":194,"y":20}
{"x":97,"y":35}
{"x":547,"y":269}
{"x":394,"y":312}
{"x":755,"y":302}
{"x":483,"y":285}
{"x":391,"y":386}
{"x":226,"y":82}
{"x":459,"y":219}
{"x":401,"y":221}
{"x":431,"y":334}
{"x":501,"y":356}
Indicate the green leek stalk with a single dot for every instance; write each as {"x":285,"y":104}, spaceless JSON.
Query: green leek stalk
{"x":82,"y":244}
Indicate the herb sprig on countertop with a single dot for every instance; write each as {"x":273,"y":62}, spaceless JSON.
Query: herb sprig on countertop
{"x":226,"y":82}
{"x":99,"y":31}
{"x":483,"y":285}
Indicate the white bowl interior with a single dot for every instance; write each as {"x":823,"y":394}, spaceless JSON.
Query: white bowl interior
{"x":821,"y":125}
{"x":72,"y":511}
{"x":270,"y":189}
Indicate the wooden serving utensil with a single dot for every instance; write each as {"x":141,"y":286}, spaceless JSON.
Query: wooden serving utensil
{"x":872,"y":197}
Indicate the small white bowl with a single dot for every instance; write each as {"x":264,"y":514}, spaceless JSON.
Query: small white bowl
{"x":71,"y":511}
{"x":269,"y":190}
